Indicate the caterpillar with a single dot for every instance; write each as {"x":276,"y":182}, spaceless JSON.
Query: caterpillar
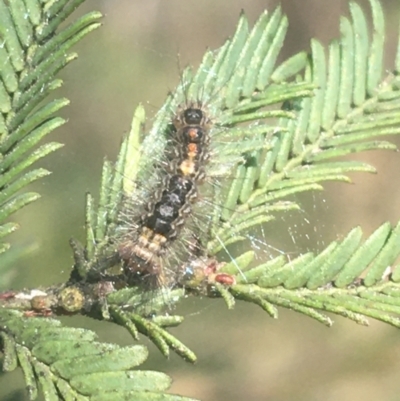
{"x":144,"y":250}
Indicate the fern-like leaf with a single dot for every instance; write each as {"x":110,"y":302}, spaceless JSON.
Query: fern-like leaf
{"x":32,"y":52}
{"x":351,"y":106}
{"x":352,"y":278}
{"x":69,"y":363}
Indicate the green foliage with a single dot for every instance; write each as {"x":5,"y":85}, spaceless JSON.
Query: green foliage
{"x":69,"y":363}
{"x":32,"y":52}
{"x":352,"y":105}
{"x":330,"y":281}
{"x":154,"y":328}
{"x":347,"y":110}
{"x":278,"y":130}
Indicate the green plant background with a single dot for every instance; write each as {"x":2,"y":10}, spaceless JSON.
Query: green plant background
{"x":242,"y":354}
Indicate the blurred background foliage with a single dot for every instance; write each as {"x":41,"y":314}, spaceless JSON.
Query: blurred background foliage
{"x":242,"y":354}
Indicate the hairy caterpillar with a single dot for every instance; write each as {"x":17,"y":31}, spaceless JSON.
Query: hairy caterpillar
{"x":144,"y":248}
